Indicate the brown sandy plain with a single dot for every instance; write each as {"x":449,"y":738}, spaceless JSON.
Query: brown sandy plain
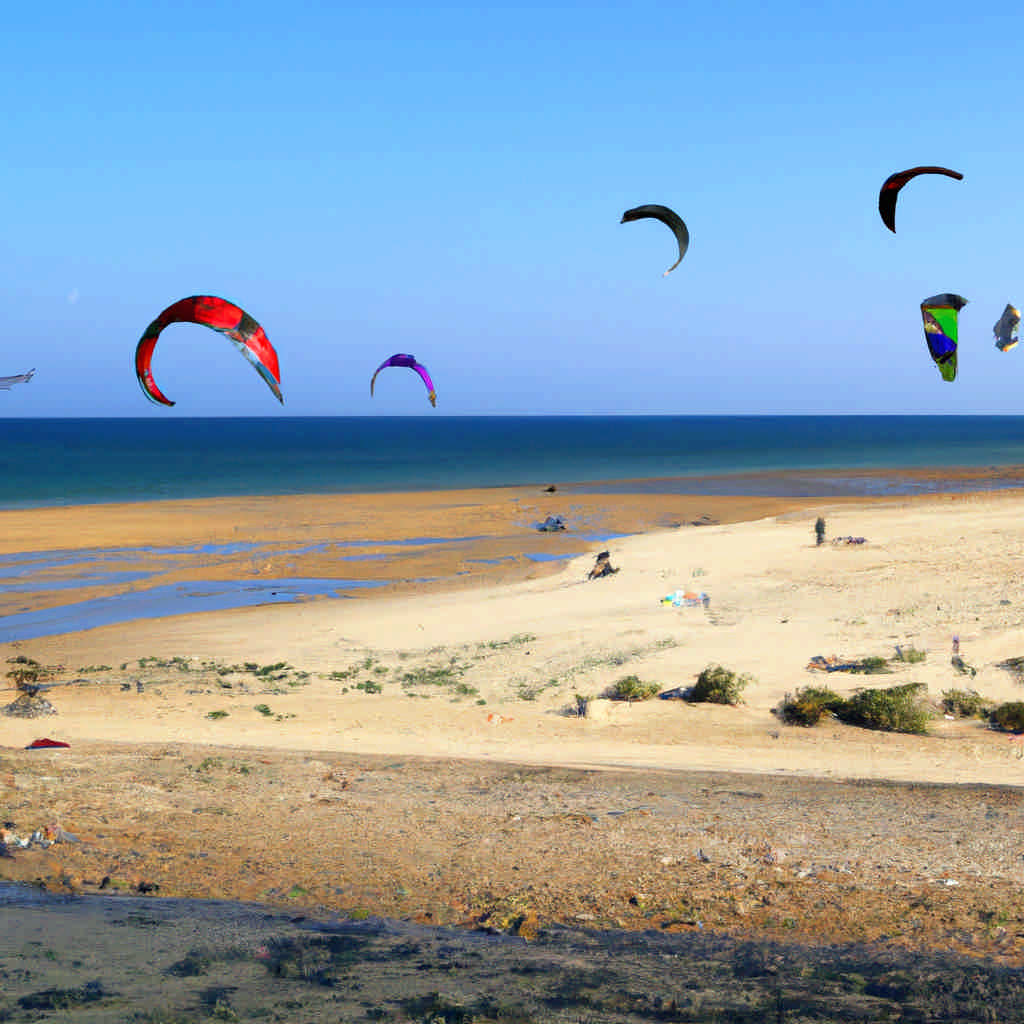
{"x":414,"y":757}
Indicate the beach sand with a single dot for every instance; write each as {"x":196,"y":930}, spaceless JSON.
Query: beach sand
{"x":414,"y":755}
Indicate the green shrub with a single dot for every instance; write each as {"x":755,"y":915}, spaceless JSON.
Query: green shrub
{"x":964,"y":703}
{"x":962,"y":667}
{"x":809,"y":704}
{"x":632,"y":688}
{"x":27,"y":673}
{"x":718,"y":685}
{"x":893,"y":709}
{"x":1015,"y":666}
{"x":1008,"y":717}
{"x":266,"y":670}
{"x":909,"y":654}
{"x":871,"y":666}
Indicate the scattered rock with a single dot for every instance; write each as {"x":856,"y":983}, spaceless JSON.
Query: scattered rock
{"x":704,"y":520}
{"x":676,"y":693}
{"x":57,"y":835}
{"x":552,"y":524}
{"x":29,"y":706}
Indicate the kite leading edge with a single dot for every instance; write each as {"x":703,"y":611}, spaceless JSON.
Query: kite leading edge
{"x":6,"y":383}
{"x":219,"y":315}
{"x":411,"y":363}
{"x":939,"y":314}
{"x":891,"y":188}
{"x":1005,"y":328}
{"x":667,"y":217}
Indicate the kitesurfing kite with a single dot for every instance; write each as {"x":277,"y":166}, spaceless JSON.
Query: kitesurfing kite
{"x":890,"y":190}
{"x":401,"y":359}
{"x":1005,"y":328}
{"x":221,"y":316}
{"x":6,"y":383}
{"x":939,"y":314}
{"x":667,"y":217}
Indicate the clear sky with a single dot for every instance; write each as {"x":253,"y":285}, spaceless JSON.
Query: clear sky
{"x":448,"y":180}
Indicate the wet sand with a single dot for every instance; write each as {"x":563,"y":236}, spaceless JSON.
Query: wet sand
{"x":96,"y":564}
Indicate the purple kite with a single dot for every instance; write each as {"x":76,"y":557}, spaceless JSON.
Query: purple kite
{"x":401,"y":359}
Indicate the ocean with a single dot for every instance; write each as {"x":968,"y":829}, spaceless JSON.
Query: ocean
{"x":87,"y":461}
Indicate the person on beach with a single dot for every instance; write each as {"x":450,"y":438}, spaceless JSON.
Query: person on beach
{"x":819,"y":531}
{"x":602,"y":567}
{"x":956,"y":644}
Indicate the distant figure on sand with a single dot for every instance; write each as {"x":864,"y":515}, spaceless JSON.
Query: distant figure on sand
{"x":602,"y":567}
{"x":956,"y":644}
{"x":819,"y":531}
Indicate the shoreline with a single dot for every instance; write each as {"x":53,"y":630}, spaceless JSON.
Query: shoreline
{"x":157,"y":554}
{"x":781,"y":484}
{"x":151,"y":560}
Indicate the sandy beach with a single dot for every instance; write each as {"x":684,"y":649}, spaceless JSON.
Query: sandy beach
{"x":412,"y":752}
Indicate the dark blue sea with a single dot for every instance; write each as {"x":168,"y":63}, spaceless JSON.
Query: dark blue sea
{"x":86,"y":461}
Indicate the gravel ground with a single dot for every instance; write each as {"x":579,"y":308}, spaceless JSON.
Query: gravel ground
{"x":517,"y":848}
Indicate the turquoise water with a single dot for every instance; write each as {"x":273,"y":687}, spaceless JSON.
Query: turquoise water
{"x":83,"y":461}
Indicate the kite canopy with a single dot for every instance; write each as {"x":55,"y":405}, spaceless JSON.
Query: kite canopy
{"x":667,"y":217}
{"x":892,"y":185}
{"x":409,"y":362}
{"x":221,"y":316}
{"x":6,"y":383}
{"x":1005,"y":328}
{"x":939,"y":314}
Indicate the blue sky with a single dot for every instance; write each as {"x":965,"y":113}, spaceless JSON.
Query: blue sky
{"x":448,"y":181}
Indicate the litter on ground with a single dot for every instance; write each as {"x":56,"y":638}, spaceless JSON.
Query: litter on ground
{"x":686,"y":599}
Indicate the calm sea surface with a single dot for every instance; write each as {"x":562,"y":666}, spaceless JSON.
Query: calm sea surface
{"x":84,"y":461}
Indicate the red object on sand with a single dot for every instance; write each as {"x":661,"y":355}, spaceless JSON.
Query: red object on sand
{"x":46,"y":743}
